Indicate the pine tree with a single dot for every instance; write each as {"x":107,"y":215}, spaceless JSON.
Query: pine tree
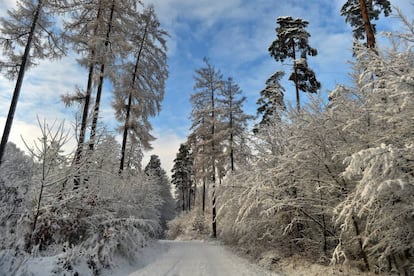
{"x":182,"y":177}
{"x":271,"y":100}
{"x":360,"y":13}
{"x":30,"y":26}
{"x":292,"y":42}
{"x":159,"y":178}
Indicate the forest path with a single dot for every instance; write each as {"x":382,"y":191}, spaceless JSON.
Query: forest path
{"x":197,"y":258}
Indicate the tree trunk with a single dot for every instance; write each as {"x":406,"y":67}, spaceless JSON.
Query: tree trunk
{"x":125,"y":135}
{"x":367,"y":24}
{"x":101,"y":80}
{"x":295,"y":76}
{"x":134,"y":77}
{"x":325,"y":241}
{"x":19,"y":81}
{"x":194,"y":194}
{"x":214,"y":224}
{"x":360,"y":243}
{"x":189,"y":198}
{"x":40,"y":197}
{"x":183,"y":192}
{"x":204,"y":195}
{"x":231,"y":130}
{"x":82,"y":131}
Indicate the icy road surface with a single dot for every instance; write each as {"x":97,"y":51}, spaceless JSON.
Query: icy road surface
{"x":195,"y":258}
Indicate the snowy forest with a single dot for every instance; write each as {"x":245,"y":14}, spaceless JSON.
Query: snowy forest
{"x":329,"y":180}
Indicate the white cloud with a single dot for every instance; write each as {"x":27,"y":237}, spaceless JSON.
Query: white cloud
{"x":41,"y":91}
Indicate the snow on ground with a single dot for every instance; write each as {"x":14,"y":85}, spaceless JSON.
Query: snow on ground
{"x":190,"y":258}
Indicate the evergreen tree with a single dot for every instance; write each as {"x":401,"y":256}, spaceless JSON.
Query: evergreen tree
{"x":182,"y":178}
{"x":292,"y":42}
{"x":271,"y":100}
{"x":159,"y":178}
{"x":360,"y":13}
{"x":27,"y":34}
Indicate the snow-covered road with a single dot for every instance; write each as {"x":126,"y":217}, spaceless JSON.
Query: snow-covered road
{"x":195,"y":258}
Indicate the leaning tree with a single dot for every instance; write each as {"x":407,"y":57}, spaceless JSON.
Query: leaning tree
{"x":28,"y":34}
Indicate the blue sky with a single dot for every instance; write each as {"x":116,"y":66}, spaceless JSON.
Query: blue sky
{"x":233,"y":34}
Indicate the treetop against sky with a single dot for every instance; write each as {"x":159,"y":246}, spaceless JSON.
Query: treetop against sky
{"x":233,"y":34}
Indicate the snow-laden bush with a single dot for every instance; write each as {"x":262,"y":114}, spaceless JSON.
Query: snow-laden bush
{"x":114,"y":238}
{"x":190,"y":225}
{"x":15,"y":178}
{"x":286,"y":202}
{"x":107,"y":216}
{"x":376,"y":220}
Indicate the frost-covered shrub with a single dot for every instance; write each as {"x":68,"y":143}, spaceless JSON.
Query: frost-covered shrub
{"x":284,"y":198}
{"x":113,"y":238}
{"x":15,"y":181}
{"x":108,"y":215}
{"x":176,"y":227}
{"x":190,"y":225}
{"x":377,"y":217}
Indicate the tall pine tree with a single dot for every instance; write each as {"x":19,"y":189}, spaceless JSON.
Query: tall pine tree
{"x":293,"y":43}
{"x":158,"y":177}
{"x":182,"y":177}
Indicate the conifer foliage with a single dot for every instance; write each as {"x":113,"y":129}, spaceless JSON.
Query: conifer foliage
{"x":182,"y":178}
{"x":159,"y":179}
{"x":234,"y":121}
{"x":293,"y":43}
{"x":271,"y":100}
{"x":360,"y":13}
